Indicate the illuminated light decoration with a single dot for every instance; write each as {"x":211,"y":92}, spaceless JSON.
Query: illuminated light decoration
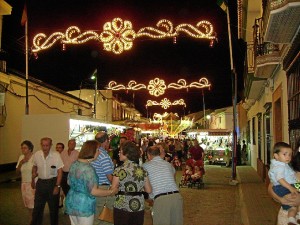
{"x":118,"y":35}
{"x":72,"y":36}
{"x":157,"y":86}
{"x":174,"y":40}
{"x":35,"y":55}
{"x":203,"y":82}
{"x":166,"y":103}
{"x":173,"y":124}
{"x":132,"y":85}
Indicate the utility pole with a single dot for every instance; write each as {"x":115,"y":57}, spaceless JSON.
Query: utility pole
{"x":95,"y":77}
{"x":233,"y":180}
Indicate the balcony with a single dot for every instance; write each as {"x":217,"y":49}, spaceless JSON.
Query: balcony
{"x":253,"y":85}
{"x":266,"y":60}
{"x":281,"y":19}
{"x":266,"y":55}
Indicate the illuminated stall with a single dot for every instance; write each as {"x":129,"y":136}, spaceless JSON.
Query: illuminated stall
{"x":62,"y":127}
{"x":214,"y":142}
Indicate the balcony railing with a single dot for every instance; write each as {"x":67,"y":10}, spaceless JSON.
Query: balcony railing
{"x":266,"y":54}
{"x":261,"y":47}
{"x":250,"y":58}
{"x":281,"y":20}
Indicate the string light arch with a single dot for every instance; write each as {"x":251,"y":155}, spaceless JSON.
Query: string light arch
{"x":118,"y":35}
{"x":157,"y":86}
{"x":165,"y":103}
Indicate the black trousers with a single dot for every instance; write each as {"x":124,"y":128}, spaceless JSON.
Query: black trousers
{"x":122,"y":217}
{"x":43,"y":194}
{"x":64,"y":183}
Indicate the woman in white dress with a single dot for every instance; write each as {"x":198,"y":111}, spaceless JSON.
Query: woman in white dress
{"x":24,"y":166}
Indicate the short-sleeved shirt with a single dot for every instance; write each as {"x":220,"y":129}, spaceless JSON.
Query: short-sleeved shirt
{"x":161,"y":176}
{"x":68,"y":159}
{"x":131,"y":179}
{"x":279,"y":170}
{"x":47,"y":167}
{"x":103,"y":166}
{"x":26,"y":169}
{"x":79,"y":201}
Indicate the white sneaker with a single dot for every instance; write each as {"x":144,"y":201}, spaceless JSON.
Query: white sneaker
{"x":298,"y":218}
{"x":292,"y":221}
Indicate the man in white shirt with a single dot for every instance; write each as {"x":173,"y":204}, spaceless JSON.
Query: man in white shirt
{"x":47,"y":166}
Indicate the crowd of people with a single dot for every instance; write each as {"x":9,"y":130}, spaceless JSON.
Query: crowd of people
{"x":86,"y":180}
{"x":82,"y":182}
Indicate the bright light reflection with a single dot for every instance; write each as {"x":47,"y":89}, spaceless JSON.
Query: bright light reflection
{"x":74,"y":123}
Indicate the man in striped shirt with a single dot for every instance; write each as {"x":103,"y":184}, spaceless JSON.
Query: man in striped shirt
{"x":104,"y":168}
{"x":167,"y":208}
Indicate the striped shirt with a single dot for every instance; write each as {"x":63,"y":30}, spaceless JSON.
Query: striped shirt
{"x":161,"y":176}
{"x":103,"y":166}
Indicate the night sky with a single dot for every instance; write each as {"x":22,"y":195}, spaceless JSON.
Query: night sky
{"x":189,"y":58}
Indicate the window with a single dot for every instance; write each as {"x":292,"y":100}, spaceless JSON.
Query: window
{"x":253,"y":131}
{"x":259,"y":135}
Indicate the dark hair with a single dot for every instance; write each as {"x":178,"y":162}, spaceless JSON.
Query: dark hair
{"x":298,"y":144}
{"x":130,"y":150}
{"x":88,"y":149}
{"x":123,"y":137}
{"x":102,"y":138}
{"x":28,"y":144}
{"x":279,"y":145}
{"x":59,"y":143}
{"x":72,"y":140}
{"x":164,"y":146}
{"x":153,"y":150}
{"x":295,"y":163}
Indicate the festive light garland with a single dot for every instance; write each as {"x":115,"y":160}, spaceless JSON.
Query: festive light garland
{"x":157,"y":86}
{"x":118,"y":35}
{"x":172,"y":126}
{"x":166,"y":103}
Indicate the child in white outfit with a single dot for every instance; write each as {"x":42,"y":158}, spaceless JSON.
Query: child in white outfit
{"x":283,"y":178}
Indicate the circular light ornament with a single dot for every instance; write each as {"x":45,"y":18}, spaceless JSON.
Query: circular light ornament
{"x":156,"y":87}
{"x":117,"y":36}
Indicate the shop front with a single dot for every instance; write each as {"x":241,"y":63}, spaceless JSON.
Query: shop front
{"x":62,"y":127}
{"x":216,"y":144}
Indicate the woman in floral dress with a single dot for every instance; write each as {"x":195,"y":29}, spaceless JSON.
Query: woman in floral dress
{"x":83,"y":181}
{"x":132,"y":180}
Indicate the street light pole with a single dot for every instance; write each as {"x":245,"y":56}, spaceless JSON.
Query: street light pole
{"x":234,"y":102}
{"x":204,"y":116}
{"x":95,"y":77}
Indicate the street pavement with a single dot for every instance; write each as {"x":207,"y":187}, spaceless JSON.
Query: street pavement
{"x":246,"y":203}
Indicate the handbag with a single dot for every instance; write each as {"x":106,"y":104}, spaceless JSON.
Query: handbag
{"x":106,"y":214}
